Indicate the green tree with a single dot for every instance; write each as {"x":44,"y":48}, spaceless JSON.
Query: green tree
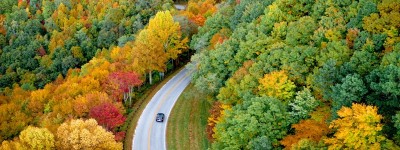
{"x":396,"y":121}
{"x":258,"y":119}
{"x":302,"y":105}
{"x":301,"y":31}
{"x":384,"y":83}
{"x":352,"y":89}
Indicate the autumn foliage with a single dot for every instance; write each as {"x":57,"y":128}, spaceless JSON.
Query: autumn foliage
{"x":277,"y":84}
{"x":306,"y":129}
{"x":119,"y":83}
{"x":357,"y":128}
{"x":216,"y":113}
{"x":85,"y":134}
{"x":96,"y":80}
{"x":198,"y":11}
{"x":107,"y":115}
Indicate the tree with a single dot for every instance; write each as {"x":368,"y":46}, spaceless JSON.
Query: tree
{"x":37,"y":138}
{"x":386,"y":21}
{"x":198,"y":11}
{"x":107,"y":115}
{"x":302,"y":105}
{"x":81,"y":134}
{"x":306,"y":129}
{"x":12,"y":145}
{"x":12,"y":121}
{"x":217,"y":112}
{"x":277,"y":84}
{"x":396,"y":121}
{"x":158,"y":43}
{"x":334,"y":50}
{"x":384,"y":83}
{"x":122,"y":83}
{"x":300,"y":32}
{"x":352,"y":89}
{"x":357,"y":127}
{"x":306,"y":144}
{"x":252,"y":121}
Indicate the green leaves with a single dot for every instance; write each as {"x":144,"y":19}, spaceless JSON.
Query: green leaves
{"x":257,"y":119}
{"x":352,"y":89}
{"x":303,"y":104}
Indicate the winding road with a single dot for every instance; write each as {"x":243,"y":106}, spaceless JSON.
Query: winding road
{"x":149,"y":134}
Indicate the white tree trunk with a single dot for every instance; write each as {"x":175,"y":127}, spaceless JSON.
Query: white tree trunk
{"x":150,"y":78}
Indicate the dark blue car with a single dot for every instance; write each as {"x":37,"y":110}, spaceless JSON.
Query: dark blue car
{"x":160,"y":117}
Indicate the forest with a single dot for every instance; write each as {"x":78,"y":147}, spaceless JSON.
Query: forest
{"x":301,"y":74}
{"x":72,"y":69}
{"x":280,"y":74}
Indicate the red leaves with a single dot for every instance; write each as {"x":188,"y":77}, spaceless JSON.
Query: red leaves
{"x":120,"y":82}
{"x":107,"y":115}
{"x":119,"y":136}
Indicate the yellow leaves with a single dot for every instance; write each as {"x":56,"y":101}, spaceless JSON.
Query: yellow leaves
{"x":37,"y":100}
{"x":80,"y":105}
{"x":333,"y":35}
{"x":12,"y":145}
{"x":77,"y":52}
{"x":357,"y":128}
{"x":158,"y":43}
{"x":276,"y":84}
{"x":80,"y":134}
{"x":37,"y":138}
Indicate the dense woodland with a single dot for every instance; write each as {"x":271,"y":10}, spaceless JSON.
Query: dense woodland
{"x":281,"y":74}
{"x":301,"y":74}
{"x":71,"y":69}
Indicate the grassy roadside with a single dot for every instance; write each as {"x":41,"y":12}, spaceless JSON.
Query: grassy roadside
{"x":187,"y":122}
{"x":139,"y":107}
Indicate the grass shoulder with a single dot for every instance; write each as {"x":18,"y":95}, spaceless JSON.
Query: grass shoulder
{"x":188,"y":120}
{"x":138,"y":107}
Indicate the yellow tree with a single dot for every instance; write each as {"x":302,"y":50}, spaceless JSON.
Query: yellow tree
{"x":37,"y":138}
{"x":357,"y":128}
{"x":12,"y":145}
{"x":158,"y":43}
{"x":80,"y":134}
{"x":277,"y":84}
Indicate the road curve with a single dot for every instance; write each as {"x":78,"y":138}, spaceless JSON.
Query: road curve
{"x":149,"y":134}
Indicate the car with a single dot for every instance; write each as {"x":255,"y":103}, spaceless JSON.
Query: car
{"x":160,"y":117}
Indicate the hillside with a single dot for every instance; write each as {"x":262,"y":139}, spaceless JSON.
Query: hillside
{"x":301,"y":74}
{"x":41,"y":39}
{"x":279,"y":74}
{"x":72,"y":70}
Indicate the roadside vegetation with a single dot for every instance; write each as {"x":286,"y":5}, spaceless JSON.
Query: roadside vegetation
{"x":70,"y":61}
{"x":188,"y":121}
{"x":139,"y":106}
{"x":273,"y":66}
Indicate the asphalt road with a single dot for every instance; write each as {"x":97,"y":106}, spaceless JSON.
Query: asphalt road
{"x":180,"y":7}
{"x":149,"y":134}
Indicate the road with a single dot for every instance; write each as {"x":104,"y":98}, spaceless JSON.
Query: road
{"x":180,"y":7}
{"x":149,"y":134}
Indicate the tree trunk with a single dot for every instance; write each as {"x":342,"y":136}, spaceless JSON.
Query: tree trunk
{"x":130,"y":96}
{"x":150,"y":78}
{"x":161,"y":75}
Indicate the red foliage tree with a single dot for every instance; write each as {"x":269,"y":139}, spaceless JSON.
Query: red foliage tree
{"x":122,"y":82}
{"x":107,"y":115}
